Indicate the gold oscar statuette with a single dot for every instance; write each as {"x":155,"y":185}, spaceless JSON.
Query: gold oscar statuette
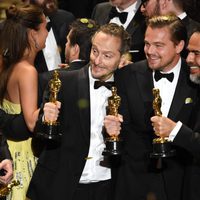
{"x":113,"y":143}
{"x":5,"y":189}
{"x":161,"y":146}
{"x":51,"y":128}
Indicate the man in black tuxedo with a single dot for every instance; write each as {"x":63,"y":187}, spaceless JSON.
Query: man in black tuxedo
{"x":184,"y":136}
{"x":180,"y":134}
{"x":58,"y":26}
{"x":76,"y":170}
{"x":139,"y":176}
{"x":130,"y":18}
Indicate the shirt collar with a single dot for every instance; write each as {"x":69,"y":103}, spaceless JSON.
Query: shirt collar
{"x":92,"y":80}
{"x":132,"y":8}
{"x":182,"y":15}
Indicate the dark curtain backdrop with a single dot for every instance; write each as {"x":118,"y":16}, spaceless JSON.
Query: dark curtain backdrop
{"x":80,"y":8}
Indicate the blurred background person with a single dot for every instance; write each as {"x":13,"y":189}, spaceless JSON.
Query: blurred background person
{"x":80,"y":9}
{"x":150,"y":8}
{"x":58,"y":22}
{"x":127,"y":14}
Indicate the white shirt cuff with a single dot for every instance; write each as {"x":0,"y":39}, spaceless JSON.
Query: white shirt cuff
{"x":175,"y":131}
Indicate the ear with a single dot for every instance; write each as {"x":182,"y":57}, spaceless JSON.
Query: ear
{"x":32,"y":34}
{"x":76,"y":51}
{"x":180,"y":46}
{"x":163,"y":6}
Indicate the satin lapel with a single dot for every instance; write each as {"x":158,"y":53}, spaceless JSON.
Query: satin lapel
{"x":84,"y":102}
{"x":181,"y":93}
{"x":145,"y":82}
{"x":135,"y":22}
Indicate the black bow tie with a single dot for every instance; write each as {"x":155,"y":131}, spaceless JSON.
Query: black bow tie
{"x":48,"y":26}
{"x":158,"y":75}
{"x":114,"y":13}
{"x":107,"y":84}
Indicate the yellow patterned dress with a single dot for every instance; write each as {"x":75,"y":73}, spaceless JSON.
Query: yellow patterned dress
{"x":23,"y":158}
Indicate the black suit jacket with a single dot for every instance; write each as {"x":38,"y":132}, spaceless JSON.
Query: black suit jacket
{"x":60,"y":21}
{"x":59,"y":168}
{"x":138,"y":176}
{"x":190,"y":25}
{"x":4,"y":151}
{"x":190,"y":138}
{"x":136,"y":28}
{"x":43,"y":79}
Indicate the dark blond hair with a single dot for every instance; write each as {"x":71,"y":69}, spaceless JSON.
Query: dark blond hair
{"x":117,"y":31}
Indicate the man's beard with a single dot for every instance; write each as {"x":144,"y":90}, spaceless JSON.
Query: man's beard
{"x":195,"y":74}
{"x":195,"y":78}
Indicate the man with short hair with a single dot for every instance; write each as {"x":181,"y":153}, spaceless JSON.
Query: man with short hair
{"x":184,"y":136}
{"x":139,"y":176}
{"x":76,"y":169}
{"x":180,"y":134}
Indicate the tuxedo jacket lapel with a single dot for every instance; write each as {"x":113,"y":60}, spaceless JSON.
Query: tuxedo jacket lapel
{"x":84,"y":102}
{"x":145,"y":82}
{"x":135,"y":22}
{"x":181,"y":93}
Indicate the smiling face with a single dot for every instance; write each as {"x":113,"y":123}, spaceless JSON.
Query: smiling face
{"x":105,"y":55}
{"x":193,"y":58}
{"x":161,"y":52}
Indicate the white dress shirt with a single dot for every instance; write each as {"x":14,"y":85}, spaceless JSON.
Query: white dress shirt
{"x":93,"y":171}
{"x":131,"y":13}
{"x":51,"y":51}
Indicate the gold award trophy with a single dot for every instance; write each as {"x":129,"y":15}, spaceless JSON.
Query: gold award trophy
{"x":5,"y":189}
{"x":161,"y":146}
{"x":113,"y":143}
{"x":51,"y":128}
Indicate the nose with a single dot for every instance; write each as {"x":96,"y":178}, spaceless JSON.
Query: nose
{"x":150,"y":49}
{"x":97,"y":59}
{"x":190,"y":58}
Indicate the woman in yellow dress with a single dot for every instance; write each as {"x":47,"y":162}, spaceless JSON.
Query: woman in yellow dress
{"x":22,"y":36}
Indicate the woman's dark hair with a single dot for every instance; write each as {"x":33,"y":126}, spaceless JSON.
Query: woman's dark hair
{"x":14,"y":38}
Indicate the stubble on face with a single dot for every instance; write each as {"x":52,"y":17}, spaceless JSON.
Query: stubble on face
{"x":161,"y":52}
{"x":105,"y":55}
{"x":152,"y":8}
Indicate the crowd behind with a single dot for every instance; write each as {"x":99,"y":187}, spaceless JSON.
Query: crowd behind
{"x":88,"y":47}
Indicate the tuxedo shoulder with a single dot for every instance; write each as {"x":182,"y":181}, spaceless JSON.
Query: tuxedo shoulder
{"x":104,"y":5}
{"x":137,"y":67}
{"x":62,"y":16}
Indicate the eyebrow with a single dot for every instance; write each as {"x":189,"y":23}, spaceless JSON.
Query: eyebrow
{"x":194,"y":51}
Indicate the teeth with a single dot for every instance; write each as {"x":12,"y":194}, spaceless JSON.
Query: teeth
{"x":194,"y":67}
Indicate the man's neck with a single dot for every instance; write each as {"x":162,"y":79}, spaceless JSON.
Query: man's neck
{"x":125,"y":5}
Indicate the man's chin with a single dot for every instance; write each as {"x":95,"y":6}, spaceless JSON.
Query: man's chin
{"x":195,"y":78}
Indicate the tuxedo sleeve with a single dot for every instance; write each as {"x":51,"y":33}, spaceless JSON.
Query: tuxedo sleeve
{"x":14,"y":127}
{"x":4,"y":151}
{"x":188,"y":139}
